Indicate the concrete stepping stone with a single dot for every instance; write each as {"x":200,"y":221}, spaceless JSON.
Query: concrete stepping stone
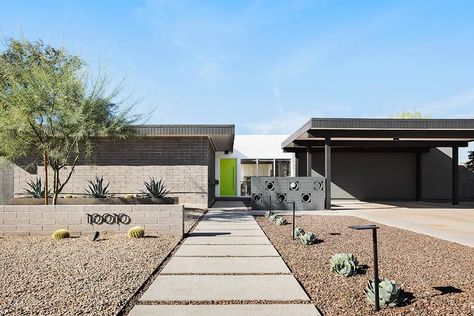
{"x":196,"y":240}
{"x":228,"y":232}
{"x":207,"y":225}
{"x":224,"y":287}
{"x":228,"y":310}
{"x":226,"y":250}
{"x":225,"y":265}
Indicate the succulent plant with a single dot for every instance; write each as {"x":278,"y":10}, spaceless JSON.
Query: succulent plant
{"x":299,"y":231}
{"x":307,"y":238}
{"x":97,"y":189}
{"x":390,"y":294}
{"x":272,"y":217}
{"x":36,"y":188}
{"x":60,"y":234}
{"x":280,"y":220}
{"x":136,"y":232}
{"x":67,"y":196}
{"x":129,"y":196}
{"x":344,"y":264}
{"x":156,"y":189}
{"x":268,"y":214}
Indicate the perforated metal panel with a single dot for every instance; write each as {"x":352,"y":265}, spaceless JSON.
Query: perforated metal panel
{"x":306,"y":192}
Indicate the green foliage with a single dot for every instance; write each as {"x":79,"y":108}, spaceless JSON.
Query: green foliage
{"x":410,"y":115}
{"x":156,"y":189}
{"x":97,"y":189}
{"x":50,"y":109}
{"x":268,"y":214}
{"x":36,"y":188}
{"x":470,"y":161}
{"x":280,"y":220}
{"x":308,"y":238}
{"x":390,"y":294}
{"x":344,"y":264}
{"x":136,"y":232}
{"x":61,"y":234}
{"x":299,"y":231}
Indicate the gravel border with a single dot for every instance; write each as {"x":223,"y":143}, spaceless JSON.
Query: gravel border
{"x":75,"y":276}
{"x":417,"y":262}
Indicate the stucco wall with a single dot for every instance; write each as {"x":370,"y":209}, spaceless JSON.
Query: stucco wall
{"x":45,"y":219}
{"x":182,"y":162}
{"x":6,"y":182}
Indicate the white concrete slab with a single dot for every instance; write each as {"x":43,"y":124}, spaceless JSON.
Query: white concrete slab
{"x":208,"y":225}
{"x":228,"y":310}
{"x":226,"y":241}
{"x":224,"y":287}
{"x":227,"y":232}
{"x":225,"y":265}
{"x":226,"y":250}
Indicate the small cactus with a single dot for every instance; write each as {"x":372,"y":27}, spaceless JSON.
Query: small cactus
{"x":60,"y":234}
{"x":280,"y":220}
{"x":136,"y":232}
{"x":344,"y":264}
{"x":307,"y":238}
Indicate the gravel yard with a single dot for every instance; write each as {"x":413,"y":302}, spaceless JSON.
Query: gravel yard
{"x":75,"y":276}
{"x":419,"y":263}
{"x":191,"y":216}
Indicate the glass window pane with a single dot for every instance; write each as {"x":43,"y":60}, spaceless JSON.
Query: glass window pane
{"x":248,"y":168}
{"x":282,"y":167}
{"x":265,"y":167}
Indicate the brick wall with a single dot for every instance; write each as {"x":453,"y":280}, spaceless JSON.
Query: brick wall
{"x":42,"y":219}
{"x":182,"y":162}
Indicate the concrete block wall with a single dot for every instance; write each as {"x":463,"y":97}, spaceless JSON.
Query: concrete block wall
{"x":6,"y":182}
{"x":45,"y":219}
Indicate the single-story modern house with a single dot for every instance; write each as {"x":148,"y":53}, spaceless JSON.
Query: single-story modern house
{"x":366,"y":159}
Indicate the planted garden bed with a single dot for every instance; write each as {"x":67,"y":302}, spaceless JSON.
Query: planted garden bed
{"x":96,"y":201}
{"x":437,"y":273}
{"x":75,"y":276}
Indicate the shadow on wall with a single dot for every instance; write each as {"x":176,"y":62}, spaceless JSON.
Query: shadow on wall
{"x":466,"y":184}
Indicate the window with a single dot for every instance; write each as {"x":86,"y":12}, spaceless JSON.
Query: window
{"x":265,"y":168}
{"x":248,"y":168}
{"x":282,"y":168}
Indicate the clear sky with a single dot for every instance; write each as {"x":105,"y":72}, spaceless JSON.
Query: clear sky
{"x":268,"y":66}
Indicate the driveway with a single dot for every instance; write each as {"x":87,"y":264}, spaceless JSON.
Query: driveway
{"x":440,"y":220}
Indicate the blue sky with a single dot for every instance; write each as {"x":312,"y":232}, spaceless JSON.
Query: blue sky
{"x":267,"y":66}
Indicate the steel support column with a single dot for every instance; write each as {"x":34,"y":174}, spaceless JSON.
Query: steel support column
{"x":418,"y":177}
{"x":327,"y":171}
{"x":455,"y":176}
{"x":308,"y":162}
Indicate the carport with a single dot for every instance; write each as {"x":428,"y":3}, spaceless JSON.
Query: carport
{"x":391,"y":137}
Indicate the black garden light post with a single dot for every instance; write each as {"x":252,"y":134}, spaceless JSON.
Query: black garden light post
{"x":376,"y":259}
{"x":293,"y":220}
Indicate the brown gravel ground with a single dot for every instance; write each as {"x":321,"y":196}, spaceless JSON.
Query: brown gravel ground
{"x":40,"y":276}
{"x":417,"y":262}
{"x":191,"y":216}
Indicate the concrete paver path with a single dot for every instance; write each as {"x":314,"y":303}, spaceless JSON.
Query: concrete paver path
{"x":227,"y":258}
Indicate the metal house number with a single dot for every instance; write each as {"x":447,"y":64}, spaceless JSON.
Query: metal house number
{"x":107,"y":218}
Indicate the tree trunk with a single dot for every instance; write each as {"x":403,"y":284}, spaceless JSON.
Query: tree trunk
{"x":46,"y":191}
{"x":56,"y":186}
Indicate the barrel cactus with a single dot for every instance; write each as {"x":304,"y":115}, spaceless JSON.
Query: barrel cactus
{"x":280,"y":221}
{"x":307,"y":238}
{"x":390,"y":294}
{"x":61,"y":234}
{"x":136,"y":232}
{"x":344,"y":264}
{"x":299,"y":231}
{"x":129,"y":196}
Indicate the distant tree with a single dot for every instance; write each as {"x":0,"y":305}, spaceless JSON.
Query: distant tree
{"x":470,"y":161}
{"x":410,"y":115}
{"x":50,"y":111}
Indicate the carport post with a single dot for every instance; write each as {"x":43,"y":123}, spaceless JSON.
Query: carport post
{"x":308,"y":161}
{"x":455,"y":176}
{"x":327,"y":171}
{"x":418,"y":176}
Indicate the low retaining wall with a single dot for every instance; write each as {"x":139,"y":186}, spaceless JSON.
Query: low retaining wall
{"x":81,"y":219}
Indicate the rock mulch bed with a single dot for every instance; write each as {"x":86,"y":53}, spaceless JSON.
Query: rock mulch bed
{"x":191,"y":216}
{"x":75,"y":276}
{"x":425,"y":266}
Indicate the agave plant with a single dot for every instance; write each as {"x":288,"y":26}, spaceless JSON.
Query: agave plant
{"x":97,"y":189}
{"x":268,"y":214}
{"x":344,"y":264}
{"x":390,"y":294}
{"x":156,"y":189}
{"x":35,"y":189}
{"x":299,"y":231}
{"x":280,"y":220}
{"x":307,"y":238}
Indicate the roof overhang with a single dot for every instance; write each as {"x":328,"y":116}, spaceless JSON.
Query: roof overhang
{"x":220,"y":136}
{"x":381,"y":133}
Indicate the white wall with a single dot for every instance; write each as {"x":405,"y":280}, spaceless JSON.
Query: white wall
{"x":255,"y":147}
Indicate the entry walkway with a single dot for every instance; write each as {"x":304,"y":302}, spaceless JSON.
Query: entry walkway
{"x":226,"y":267}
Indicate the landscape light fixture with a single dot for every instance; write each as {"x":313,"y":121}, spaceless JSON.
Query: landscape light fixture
{"x":376,"y":263}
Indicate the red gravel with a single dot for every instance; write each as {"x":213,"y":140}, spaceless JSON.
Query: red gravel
{"x":417,"y":262}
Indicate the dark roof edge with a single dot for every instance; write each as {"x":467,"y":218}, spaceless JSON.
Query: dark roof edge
{"x":186,"y":129}
{"x":306,"y":126}
{"x":392,"y":123}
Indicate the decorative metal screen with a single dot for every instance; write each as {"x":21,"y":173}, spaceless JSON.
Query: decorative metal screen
{"x":306,"y":192}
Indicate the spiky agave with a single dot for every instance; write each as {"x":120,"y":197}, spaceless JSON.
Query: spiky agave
{"x":156,"y":189}
{"x":97,"y":189}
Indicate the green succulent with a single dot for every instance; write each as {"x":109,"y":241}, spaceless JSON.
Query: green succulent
{"x":390,"y":294}
{"x":307,"y":238}
{"x":136,"y":232}
{"x":156,"y":189}
{"x":280,"y":220}
{"x":268,"y":214}
{"x":272,"y":217}
{"x":36,"y":189}
{"x":97,"y":189}
{"x":60,"y":234}
{"x":344,"y":264}
{"x":129,"y":196}
{"x":299,"y":231}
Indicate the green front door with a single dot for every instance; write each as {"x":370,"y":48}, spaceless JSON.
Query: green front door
{"x":228,"y":178}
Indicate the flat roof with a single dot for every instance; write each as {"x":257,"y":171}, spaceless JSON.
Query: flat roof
{"x":385,"y":132}
{"x":221,"y":135}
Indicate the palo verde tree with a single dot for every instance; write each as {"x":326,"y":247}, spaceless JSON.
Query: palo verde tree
{"x":409,"y":115}
{"x":50,"y":109}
